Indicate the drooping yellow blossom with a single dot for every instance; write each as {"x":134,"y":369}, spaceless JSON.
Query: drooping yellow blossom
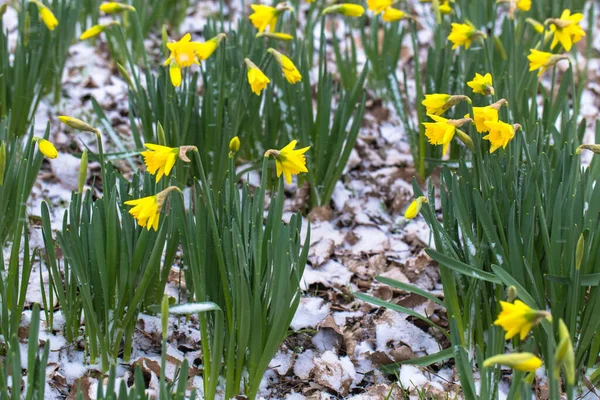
{"x":518,"y":317}
{"x":564,"y":357}
{"x":482,"y":84}
{"x":205,"y":50}
{"x":392,"y":14}
{"x":347,"y":9}
{"x":77,"y":124}
{"x":520,"y":361}
{"x":445,"y":7}
{"x":266,"y":16}
{"x":288,"y":68}
{"x":113,"y":7}
{"x":378,"y":6}
{"x":96,"y":30}
{"x":543,"y":60}
{"x":442,"y":131}
{"x":256,"y":78}
{"x":289,"y":161}
{"x":183,"y":55}
{"x":463,"y":35}
{"x":275,"y":35}
{"x":566,"y":29}
{"x":159,"y":159}
{"x":486,"y":114}
{"x":47,"y":16}
{"x":437,"y":103}
{"x":500,"y":134}
{"x":146,"y":210}
{"x":46,"y":147}
{"x":415,"y":207}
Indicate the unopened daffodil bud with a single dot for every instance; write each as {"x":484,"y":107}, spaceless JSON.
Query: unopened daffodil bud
{"x":592,"y":147}
{"x":520,"y":361}
{"x":234,"y":145}
{"x":46,"y":147}
{"x":113,"y":7}
{"x":537,"y":26}
{"x":77,"y":124}
{"x":511,"y":293}
{"x":564,"y":357}
{"x":83,"y":169}
{"x":415,"y":207}
{"x":579,"y":252}
{"x":96,"y":30}
{"x":347,"y":9}
{"x":275,"y":35}
{"x":46,"y":14}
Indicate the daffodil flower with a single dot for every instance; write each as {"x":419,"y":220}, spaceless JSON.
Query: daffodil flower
{"x":160,"y":160}
{"x":289,"y":161}
{"x":463,"y":35}
{"x":265,"y":17}
{"x":378,"y":6}
{"x":566,"y":29}
{"x":442,"y":131}
{"x":486,"y":114}
{"x":183,"y":55}
{"x":113,"y":7}
{"x":47,"y":16}
{"x":46,"y":147}
{"x":288,"y":68}
{"x":437,"y":103}
{"x":527,"y":362}
{"x":518,"y":318}
{"x":146,"y":210}
{"x":96,"y":30}
{"x":415,"y":207}
{"x":256,"y":78}
{"x":347,"y":9}
{"x":392,"y":14}
{"x":482,"y":84}
{"x":543,"y":60}
{"x":204,"y":50}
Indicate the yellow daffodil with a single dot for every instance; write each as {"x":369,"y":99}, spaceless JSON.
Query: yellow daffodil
{"x":520,"y":361}
{"x":256,"y":78}
{"x":275,"y":35}
{"x":147,"y":209}
{"x":392,"y":14}
{"x":482,"y":84}
{"x":113,"y":7}
{"x":524,"y":5}
{"x":289,"y":161}
{"x":543,"y":60}
{"x":96,"y":30}
{"x":437,"y":103}
{"x":46,"y":147}
{"x":445,"y":7}
{"x":183,"y":55}
{"x":463,"y":35}
{"x":499,"y":134}
{"x":415,"y":207}
{"x":47,"y":16}
{"x":378,"y":6}
{"x":160,"y":160}
{"x":566,"y":29}
{"x":288,"y":68}
{"x":77,"y":124}
{"x":486,"y":114}
{"x":204,"y":50}
{"x":518,"y":318}
{"x":439,"y":132}
{"x":347,"y":9}
{"x":266,"y":16}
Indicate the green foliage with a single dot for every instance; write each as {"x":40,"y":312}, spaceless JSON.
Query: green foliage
{"x":250,"y":270}
{"x":21,"y":165}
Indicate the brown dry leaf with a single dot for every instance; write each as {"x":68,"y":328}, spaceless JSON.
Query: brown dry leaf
{"x":329,"y":323}
{"x":323,"y":213}
{"x":84,"y":383}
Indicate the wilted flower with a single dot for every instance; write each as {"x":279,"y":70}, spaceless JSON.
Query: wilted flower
{"x":542,"y":60}
{"x":256,"y":78}
{"x":520,"y":361}
{"x":463,"y":35}
{"x":519,"y":318}
{"x":147,"y":209}
{"x":566,"y":29}
{"x":113,"y":7}
{"x":482,"y":84}
{"x":415,"y":207}
{"x":287,"y":66}
{"x":347,"y":9}
{"x":289,"y":161}
{"x":46,"y":147}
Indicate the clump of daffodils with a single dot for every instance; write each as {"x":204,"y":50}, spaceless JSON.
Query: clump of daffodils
{"x":289,"y":161}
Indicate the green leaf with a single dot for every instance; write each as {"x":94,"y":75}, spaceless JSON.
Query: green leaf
{"x":462,"y":268}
